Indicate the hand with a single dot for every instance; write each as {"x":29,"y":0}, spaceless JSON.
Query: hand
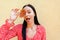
{"x":14,"y":14}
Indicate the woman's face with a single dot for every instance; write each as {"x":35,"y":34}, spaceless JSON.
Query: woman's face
{"x":29,"y":16}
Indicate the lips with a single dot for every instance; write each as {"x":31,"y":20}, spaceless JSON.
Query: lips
{"x":27,"y":18}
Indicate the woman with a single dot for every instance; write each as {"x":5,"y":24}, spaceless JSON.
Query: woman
{"x":29,"y":30}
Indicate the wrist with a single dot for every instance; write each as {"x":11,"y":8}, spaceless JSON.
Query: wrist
{"x":10,"y":20}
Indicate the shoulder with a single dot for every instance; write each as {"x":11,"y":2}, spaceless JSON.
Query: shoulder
{"x":18,"y":26}
{"x":41,"y":28}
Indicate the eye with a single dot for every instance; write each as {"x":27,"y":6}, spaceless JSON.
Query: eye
{"x":29,"y":12}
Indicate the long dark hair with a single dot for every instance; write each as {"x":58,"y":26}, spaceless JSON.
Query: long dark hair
{"x":25,"y":23}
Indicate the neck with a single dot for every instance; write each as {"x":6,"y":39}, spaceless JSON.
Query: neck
{"x":30,"y":25}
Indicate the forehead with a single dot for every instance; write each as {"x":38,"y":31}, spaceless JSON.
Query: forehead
{"x":27,"y":8}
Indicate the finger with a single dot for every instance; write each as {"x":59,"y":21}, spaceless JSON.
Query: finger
{"x":16,"y":9}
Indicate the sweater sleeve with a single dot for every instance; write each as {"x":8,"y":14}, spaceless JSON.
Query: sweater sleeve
{"x":43,"y":33}
{"x":11,"y":33}
{"x":4,"y":30}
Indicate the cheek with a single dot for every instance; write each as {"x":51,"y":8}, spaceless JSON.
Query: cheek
{"x":32,"y":17}
{"x":32,"y":14}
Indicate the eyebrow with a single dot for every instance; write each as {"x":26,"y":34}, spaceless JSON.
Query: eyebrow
{"x":28,"y":10}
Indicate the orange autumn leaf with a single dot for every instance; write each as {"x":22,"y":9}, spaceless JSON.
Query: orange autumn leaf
{"x":22,"y":13}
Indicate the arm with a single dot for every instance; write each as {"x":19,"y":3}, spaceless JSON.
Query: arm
{"x":11,"y":33}
{"x":43,"y":33}
{"x":4,"y":30}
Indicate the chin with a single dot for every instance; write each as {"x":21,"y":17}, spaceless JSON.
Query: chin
{"x":28,"y":22}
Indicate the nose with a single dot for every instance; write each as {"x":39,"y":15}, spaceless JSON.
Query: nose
{"x":26,"y":14}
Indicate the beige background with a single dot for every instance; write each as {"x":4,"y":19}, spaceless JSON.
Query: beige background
{"x":48,"y":12}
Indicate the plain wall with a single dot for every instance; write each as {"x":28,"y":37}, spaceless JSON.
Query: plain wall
{"x":48,"y":12}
